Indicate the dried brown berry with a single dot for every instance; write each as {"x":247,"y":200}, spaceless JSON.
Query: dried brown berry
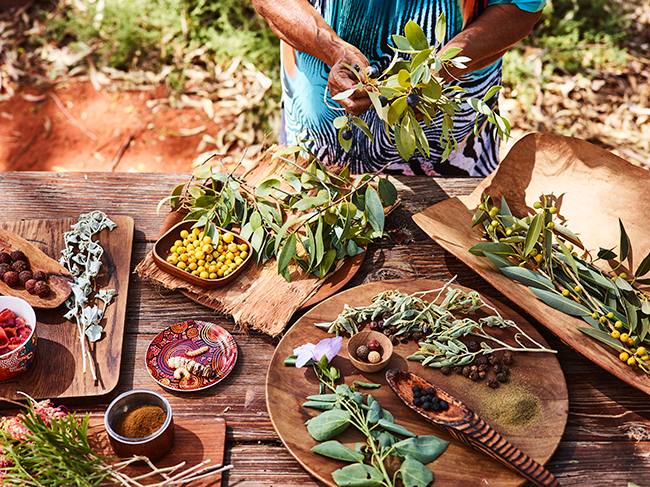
{"x":474,"y":376}
{"x":458,"y":369}
{"x":373,"y":345}
{"x":493,"y":383}
{"x":473,"y":368}
{"x":387,"y":331}
{"x":19,"y":266}
{"x":40,"y":276}
{"x":374,"y":325}
{"x":494,"y":359}
{"x":41,"y":289}
{"x":24,"y":276}
{"x":505,"y":369}
{"x":393,"y":329}
{"x":404,"y":339}
{"x":374,"y":357}
{"x":496,"y":368}
{"x":5,"y":258}
{"x":473,"y":346}
{"x":467,"y":371}
{"x":362,"y":352}
{"x":483,"y":367}
{"x":507,"y":358}
{"x":501,"y":377}
{"x":394,"y":340}
{"x":445,"y":370}
{"x":481,"y":360}
{"x":482,"y":374}
{"x":417,"y":336}
{"x":10,"y":278}
{"x":4,"y":268}
{"x":18,"y":255}
{"x":29,"y":286}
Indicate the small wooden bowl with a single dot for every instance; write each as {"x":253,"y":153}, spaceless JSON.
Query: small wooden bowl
{"x":363,"y":338}
{"x":164,"y":243}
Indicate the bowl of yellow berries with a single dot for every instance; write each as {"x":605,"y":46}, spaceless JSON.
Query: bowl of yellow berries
{"x":207,"y":259}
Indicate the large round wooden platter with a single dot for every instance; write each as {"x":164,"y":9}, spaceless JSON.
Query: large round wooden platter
{"x":530,"y":410}
{"x":58,"y":277}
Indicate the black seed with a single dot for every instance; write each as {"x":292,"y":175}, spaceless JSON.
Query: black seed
{"x":426,"y":406}
{"x":383,"y":100}
{"x":346,"y":134}
{"x":373,"y":72}
{"x":444,"y":405}
{"x":412,"y":100}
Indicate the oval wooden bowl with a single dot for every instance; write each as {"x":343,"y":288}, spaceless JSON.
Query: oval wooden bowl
{"x":363,"y":338}
{"x":164,"y":243}
{"x":58,"y":277}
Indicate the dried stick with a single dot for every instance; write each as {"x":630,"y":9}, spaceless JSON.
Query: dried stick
{"x":71,"y":118}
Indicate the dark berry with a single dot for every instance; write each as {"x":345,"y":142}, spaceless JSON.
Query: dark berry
{"x":5,"y":258}
{"x":417,"y":401}
{"x":10,"y":278}
{"x":458,"y":369}
{"x":445,"y":370}
{"x":41,"y":289}
{"x":505,"y":369}
{"x":474,"y":376}
{"x":494,"y":360}
{"x":417,"y":336}
{"x":355,"y":67}
{"x":374,"y":325}
{"x":24,"y":276}
{"x":30,"y":285}
{"x":473,"y":346}
{"x":444,"y":405}
{"x":483,"y":367}
{"x":412,"y":100}
{"x":493,"y":383}
{"x":415,"y":388}
{"x":383,"y":100}
{"x":4,"y":268}
{"x":374,"y":345}
{"x":346,"y":134}
{"x":467,"y":370}
{"x":496,"y":368}
{"x":435,"y":406}
{"x":502,"y":377}
{"x":373,"y":72}
{"x":19,"y":266}
{"x":507,"y":358}
{"x":426,"y":406}
{"x":362,"y":352}
{"x":18,"y":255}
{"x":431,"y":390}
{"x":40,"y":276}
{"x":404,"y":339}
{"x":481,"y":360}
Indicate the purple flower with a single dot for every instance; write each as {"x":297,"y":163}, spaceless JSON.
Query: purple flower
{"x":328,"y":347}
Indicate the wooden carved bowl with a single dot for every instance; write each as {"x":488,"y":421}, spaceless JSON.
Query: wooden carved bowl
{"x":363,"y":338}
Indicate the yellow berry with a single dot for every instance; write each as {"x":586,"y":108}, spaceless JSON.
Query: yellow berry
{"x":184,"y":257}
{"x":228,"y":237}
{"x":204,"y":275}
{"x":207,"y":248}
{"x":181,"y":265}
{"x":227,"y":272}
{"x":184,"y":233}
{"x":238,"y":260}
{"x":631,"y":361}
{"x":565,"y":292}
{"x":618,"y":325}
{"x":577,"y":289}
{"x":243,"y":254}
{"x":212,"y":275}
{"x":603,"y":319}
{"x":640,"y":351}
{"x":645,"y":357}
{"x":207,"y":240}
{"x":533,"y":252}
{"x":616,"y":334}
{"x":624,"y":356}
{"x":195,"y":272}
{"x":189,"y":247}
{"x":230,"y":256}
{"x":192,"y":238}
{"x":233,"y":247}
{"x":539,"y":258}
{"x":196,"y":232}
{"x":624,"y":337}
{"x":243,"y":247}
{"x":192,"y":266}
{"x":623,"y":275}
{"x":610,"y":315}
{"x":594,"y":315}
{"x":630,"y":341}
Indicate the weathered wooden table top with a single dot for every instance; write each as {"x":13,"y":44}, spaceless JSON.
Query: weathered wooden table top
{"x":607,"y":437}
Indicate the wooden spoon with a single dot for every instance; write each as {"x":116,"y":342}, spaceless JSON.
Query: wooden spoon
{"x":465,"y":425}
{"x":58,"y":277}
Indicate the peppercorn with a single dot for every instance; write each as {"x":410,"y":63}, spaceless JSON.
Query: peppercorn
{"x":505,"y":369}
{"x":473,"y":346}
{"x":493,"y":383}
{"x":387,"y":331}
{"x":4,"y":268}
{"x":380,"y":325}
{"x":373,"y":345}
{"x":362,"y":352}
{"x":19,"y":266}
{"x":393,"y":329}
{"x":5,"y":258}
{"x":496,"y":368}
{"x":385,"y":315}
{"x":473,"y":368}
{"x":18,"y":255}
{"x":507,"y":358}
{"x":24,"y":276}
{"x":29,"y":286}
{"x":445,"y":370}
{"x":40,"y":276}
{"x":481,"y":360}
{"x":417,"y":336}
{"x":483,"y":367}
{"x":404,"y":339}
{"x":394,"y":340}
{"x":501,"y":377}
{"x":458,"y":369}
{"x":374,"y":357}
{"x":41,"y":289}
{"x":10,"y":278}
{"x":474,"y":375}
{"x":482,"y":374}
{"x":467,"y":371}
{"x":494,"y":359}
{"x":374,"y":325}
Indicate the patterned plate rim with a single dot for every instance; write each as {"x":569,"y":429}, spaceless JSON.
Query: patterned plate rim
{"x":199,"y":325}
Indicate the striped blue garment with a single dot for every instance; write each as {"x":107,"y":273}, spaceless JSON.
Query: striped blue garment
{"x":369,"y":25}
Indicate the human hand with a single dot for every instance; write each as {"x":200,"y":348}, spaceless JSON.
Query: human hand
{"x":341,"y":79}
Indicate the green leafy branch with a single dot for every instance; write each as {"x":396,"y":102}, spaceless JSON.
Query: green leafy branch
{"x":410,"y":91}
{"x":538,"y":251}
{"x":309,"y":215}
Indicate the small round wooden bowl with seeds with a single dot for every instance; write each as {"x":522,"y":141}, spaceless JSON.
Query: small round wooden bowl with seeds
{"x":364,"y":338}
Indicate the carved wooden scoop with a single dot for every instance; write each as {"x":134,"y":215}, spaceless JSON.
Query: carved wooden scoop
{"x":465,"y":425}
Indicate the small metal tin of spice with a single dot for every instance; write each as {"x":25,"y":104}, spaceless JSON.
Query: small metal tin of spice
{"x":154,"y":446}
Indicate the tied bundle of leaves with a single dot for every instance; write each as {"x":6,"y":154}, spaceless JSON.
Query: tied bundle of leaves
{"x":436,"y":323}
{"x":538,"y":251}
{"x":310,"y":216}
{"x":82,"y":257}
{"x":410,"y":90}
{"x":343,"y":407}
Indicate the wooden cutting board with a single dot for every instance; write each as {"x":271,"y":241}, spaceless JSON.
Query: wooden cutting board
{"x":530,"y":410}
{"x":57,"y":368}
{"x":195,"y":440}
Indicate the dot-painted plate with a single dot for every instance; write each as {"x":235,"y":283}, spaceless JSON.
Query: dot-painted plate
{"x":186,"y":336}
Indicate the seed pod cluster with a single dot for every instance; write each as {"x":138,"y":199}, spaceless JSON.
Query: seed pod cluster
{"x":495,"y":368}
{"x":15,"y":270}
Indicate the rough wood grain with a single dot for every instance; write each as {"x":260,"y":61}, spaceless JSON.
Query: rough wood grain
{"x":536,"y":379}
{"x":57,"y":370}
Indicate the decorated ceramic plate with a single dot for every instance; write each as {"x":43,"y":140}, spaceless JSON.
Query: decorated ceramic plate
{"x":184,"y":340}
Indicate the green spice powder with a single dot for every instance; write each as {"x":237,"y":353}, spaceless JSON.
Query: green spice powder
{"x":515,"y":407}
{"x":141,"y":421}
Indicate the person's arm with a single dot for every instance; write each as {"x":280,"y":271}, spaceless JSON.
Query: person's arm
{"x":488,"y":37}
{"x":298,"y":24}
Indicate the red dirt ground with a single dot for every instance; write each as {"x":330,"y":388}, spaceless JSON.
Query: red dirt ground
{"x":26,"y":143}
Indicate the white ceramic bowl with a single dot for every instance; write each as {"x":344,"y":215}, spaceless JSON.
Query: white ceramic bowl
{"x":20,"y":359}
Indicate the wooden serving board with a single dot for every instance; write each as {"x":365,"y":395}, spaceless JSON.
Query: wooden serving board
{"x":195,"y":440}
{"x":530,"y":410}
{"x":57,"y":368}
{"x":593,"y":187}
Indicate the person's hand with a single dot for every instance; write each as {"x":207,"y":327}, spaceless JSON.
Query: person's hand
{"x":341,"y":79}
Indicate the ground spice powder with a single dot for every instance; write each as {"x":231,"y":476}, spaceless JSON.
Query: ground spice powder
{"x":141,"y":421}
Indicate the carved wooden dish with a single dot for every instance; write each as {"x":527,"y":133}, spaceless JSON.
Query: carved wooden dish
{"x":58,"y":278}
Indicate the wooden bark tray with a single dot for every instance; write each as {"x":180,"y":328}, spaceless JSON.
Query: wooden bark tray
{"x":536,"y":391}
{"x":594,"y":189}
{"x":195,"y":440}
{"x":57,"y":368}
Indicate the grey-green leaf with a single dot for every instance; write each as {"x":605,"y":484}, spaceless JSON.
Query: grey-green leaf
{"x":415,"y":474}
{"x":424,"y":449}
{"x":395,"y":428}
{"x":534,"y":231}
{"x":387,"y":191}
{"x":491,"y":247}
{"x":287,"y":252}
{"x":528,"y":277}
{"x":644,"y":267}
{"x":625,"y":241}
{"x":498,"y":261}
{"x":560,"y":303}
{"x":603,"y":337}
{"x":375,"y":210}
{"x":267,"y":188}
{"x":338,"y":451}
{"x":327,"y":425}
{"x":358,"y":475}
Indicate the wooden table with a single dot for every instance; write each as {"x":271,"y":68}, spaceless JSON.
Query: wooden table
{"x":607,"y":438}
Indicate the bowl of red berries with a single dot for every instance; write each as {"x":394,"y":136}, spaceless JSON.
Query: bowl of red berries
{"x":17,"y":336}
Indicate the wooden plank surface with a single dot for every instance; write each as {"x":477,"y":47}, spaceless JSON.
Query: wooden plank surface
{"x":57,"y":371}
{"x":606,"y":440}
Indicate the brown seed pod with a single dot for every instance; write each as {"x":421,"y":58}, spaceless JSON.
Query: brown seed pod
{"x":373,"y":345}
{"x":40,"y":276}
{"x":10,"y":278}
{"x":5,"y":258}
{"x":362,"y":352}
{"x":18,"y":255}
{"x":29,"y":286}
{"x":19,"y":266}
{"x":41,"y":289}
{"x":24,"y":276}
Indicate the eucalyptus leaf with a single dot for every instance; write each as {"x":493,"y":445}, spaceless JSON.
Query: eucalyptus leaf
{"x":606,"y":254}
{"x":375,"y":210}
{"x":286,"y":254}
{"x":644,"y":267}
{"x":497,"y":248}
{"x":441,"y":29}
{"x":415,"y":474}
{"x":387,"y":191}
{"x":534,"y":231}
{"x":625,"y":241}
{"x":336,"y":450}
{"x":267,"y":188}
{"x":560,"y":303}
{"x":602,"y":336}
{"x":528,"y":277}
{"x":328,"y":424}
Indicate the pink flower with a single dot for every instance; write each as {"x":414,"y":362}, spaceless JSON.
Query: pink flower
{"x":327,"y":347}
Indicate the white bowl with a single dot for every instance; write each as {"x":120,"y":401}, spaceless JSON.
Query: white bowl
{"x":20,"y":359}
